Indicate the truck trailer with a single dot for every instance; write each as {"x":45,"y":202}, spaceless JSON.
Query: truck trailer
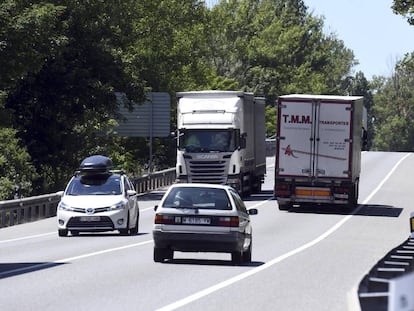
{"x":221,"y":139}
{"x":318,"y":152}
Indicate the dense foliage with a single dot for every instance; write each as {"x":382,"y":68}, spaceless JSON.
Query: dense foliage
{"x":62,"y":62}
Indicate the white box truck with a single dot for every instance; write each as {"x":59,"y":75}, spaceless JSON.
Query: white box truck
{"x":221,"y":139}
{"x":318,"y":153}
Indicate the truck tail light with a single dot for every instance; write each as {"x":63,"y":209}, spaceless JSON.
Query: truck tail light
{"x":163,"y":219}
{"x":231,"y":221}
{"x":282,"y":190}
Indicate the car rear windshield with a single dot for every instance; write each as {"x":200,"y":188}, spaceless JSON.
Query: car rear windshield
{"x":95,"y":185}
{"x":198,"y":197}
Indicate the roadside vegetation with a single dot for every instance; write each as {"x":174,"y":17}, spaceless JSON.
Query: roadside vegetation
{"x":62,"y":62}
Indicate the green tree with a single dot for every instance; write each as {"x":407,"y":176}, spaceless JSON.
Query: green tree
{"x":404,"y":8}
{"x":16,"y":171}
{"x":360,"y":86}
{"x":274,"y":47}
{"x":60,"y":108}
{"x":394,"y":108}
{"x":30,"y":32}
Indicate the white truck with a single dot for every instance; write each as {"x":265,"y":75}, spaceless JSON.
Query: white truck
{"x":221,"y":139}
{"x":318,"y":152}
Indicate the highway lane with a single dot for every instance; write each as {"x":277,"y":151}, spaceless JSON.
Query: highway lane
{"x":305,"y":259}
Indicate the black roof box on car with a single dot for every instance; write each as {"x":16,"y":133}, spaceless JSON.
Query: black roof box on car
{"x":96,"y":164}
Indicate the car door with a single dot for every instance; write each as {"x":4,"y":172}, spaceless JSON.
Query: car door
{"x":132,"y":201}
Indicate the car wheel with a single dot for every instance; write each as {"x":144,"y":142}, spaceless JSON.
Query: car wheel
{"x":247,"y":255}
{"x":125,"y":231}
{"x":135,"y":229}
{"x":160,"y":254}
{"x":63,"y":232}
{"x":236,"y":258}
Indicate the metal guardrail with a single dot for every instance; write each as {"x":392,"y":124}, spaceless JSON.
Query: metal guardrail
{"x":19,"y":211}
{"x":375,"y":290}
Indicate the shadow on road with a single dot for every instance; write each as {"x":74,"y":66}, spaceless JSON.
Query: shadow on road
{"x":211,"y":262}
{"x":374,"y":210}
{"x":13,"y":269}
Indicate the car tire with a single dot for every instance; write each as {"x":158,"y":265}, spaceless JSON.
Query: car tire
{"x":63,"y":232}
{"x":125,"y":231}
{"x":237,"y":257}
{"x":160,"y":254}
{"x":247,"y":255}
{"x":136,"y":227}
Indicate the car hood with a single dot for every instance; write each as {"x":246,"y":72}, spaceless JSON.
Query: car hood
{"x":84,"y":201}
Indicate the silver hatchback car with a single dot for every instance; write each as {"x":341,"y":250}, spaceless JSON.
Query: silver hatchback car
{"x":202,"y":218}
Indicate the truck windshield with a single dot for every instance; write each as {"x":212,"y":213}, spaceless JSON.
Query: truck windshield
{"x":208,"y":141}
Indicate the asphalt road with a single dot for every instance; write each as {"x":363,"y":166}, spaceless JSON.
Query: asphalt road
{"x":305,"y":259}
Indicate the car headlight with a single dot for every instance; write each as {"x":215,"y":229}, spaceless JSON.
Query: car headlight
{"x":117,"y":206}
{"x":64,"y":207}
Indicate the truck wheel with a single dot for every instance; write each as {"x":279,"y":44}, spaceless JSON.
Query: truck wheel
{"x":353,"y":201}
{"x":284,"y":206}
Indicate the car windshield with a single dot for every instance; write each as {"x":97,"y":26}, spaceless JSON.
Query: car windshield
{"x":197,"y":198}
{"x":95,"y":185}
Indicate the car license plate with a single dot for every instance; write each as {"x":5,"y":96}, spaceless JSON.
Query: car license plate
{"x":90,"y":218}
{"x":196,"y":221}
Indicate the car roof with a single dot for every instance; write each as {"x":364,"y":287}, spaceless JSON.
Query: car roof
{"x":201,"y":185}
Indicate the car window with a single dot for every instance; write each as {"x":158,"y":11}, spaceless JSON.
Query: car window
{"x":238,"y":201}
{"x":130,"y":185}
{"x":198,"y":197}
{"x":95,"y":185}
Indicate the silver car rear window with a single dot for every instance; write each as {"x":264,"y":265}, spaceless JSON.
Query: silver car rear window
{"x":198,"y":197}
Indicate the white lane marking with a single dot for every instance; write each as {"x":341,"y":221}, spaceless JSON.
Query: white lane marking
{"x":28,"y":237}
{"x":50,"y":233}
{"x":237,"y":278}
{"x":70,"y":259}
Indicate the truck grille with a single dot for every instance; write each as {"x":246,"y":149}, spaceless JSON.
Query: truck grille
{"x":212,"y":172}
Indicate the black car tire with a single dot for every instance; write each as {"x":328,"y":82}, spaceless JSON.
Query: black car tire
{"x":135,"y":229}
{"x":247,"y":255}
{"x":125,"y":231}
{"x":237,"y":257}
{"x":160,"y":254}
{"x":63,"y":232}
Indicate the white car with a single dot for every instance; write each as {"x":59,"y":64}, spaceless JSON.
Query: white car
{"x":202,"y":218}
{"x":98,"y":199}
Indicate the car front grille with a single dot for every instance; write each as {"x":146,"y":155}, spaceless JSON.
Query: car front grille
{"x":104,"y":223}
{"x":95,"y":210}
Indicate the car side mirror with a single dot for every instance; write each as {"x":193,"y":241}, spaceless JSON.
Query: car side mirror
{"x":131,"y":193}
{"x":155,"y":208}
{"x":60,"y":193}
{"x":252,"y":211}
